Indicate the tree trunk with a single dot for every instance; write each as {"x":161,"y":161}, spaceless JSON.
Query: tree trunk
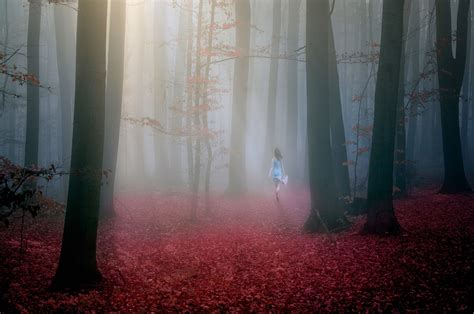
{"x":292,"y":83}
{"x":178,"y":96}
{"x":113,"y":101}
{"x":326,"y":212}
{"x":77,"y":263}
{"x":239,"y":99}
{"x":338,"y":137}
{"x":380,"y":213}
{"x":450,"y":77}
{"x":33,"y":101}
{"x":189,"y":98}
{"x":205,"y":118}
{"x":273,"y":82}
{"x":465,"y":95}
{"x":400,"y":135}
{"x":65,"y":51}
{"x":196,"y":118}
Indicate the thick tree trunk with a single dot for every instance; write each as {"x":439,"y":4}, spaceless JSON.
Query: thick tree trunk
{"x":292,"y":93}
{"x":273,"y":82}
{"x":450,"y":77}
{"x":33,"y":101}
{"x":338,"y":137}
{"x":113,"y":101}
{"x":239,"y":100}
{"x":380,"y":213}
{"x":326,"y":212}
{"x":77,"y":263}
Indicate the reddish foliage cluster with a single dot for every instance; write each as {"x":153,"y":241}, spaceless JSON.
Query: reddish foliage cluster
{"x":250,"y":255}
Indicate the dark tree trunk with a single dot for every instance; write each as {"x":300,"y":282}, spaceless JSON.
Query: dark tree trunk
{"x":400,"y":135}
{"x":413,"y":117}
{"x":292,"y":94}
{"x":338,"y":137}
{"x":326,"y":211}
{"x":239,"y":100}
{"x":450,"y":77}
{"x":273,"y":82}
{"x":380,"y":213}
{"x":113,"y":101}
{"x":33,"y":101}
{"x":465,"y":95}
{"x":77,"y":263}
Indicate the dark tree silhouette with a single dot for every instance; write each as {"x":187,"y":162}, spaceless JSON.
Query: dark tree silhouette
{"x":77,"y":263}
{"x":380,"y":213}
{"x":326,"y":211}
{"x":450,"y":77}
{"x":239,"y":99}
{"x":32,"y":103}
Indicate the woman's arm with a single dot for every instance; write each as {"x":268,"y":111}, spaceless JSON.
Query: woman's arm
{"x":271,"y":170}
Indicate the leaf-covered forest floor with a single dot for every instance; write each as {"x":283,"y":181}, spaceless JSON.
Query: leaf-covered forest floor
{"x":249,"y":254}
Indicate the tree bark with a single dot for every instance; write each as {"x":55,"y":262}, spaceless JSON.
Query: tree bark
{"x":237,"y":167}
{"x":338,"y":137}
{"x":450,"y":76}
{"x":33,"y":101}
{"x":326,"y":212}
{"x":400,"y":135}
{"x":113,"y":102}
{"x":77,"y":263}
{"x":380,"y":213}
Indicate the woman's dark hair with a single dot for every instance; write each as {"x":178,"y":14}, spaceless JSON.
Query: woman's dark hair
{"x":278,"y":154}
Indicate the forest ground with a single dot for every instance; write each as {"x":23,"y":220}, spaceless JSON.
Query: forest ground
{"x":250,"y":254}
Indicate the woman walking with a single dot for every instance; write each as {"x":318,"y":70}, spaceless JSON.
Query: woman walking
{"x":277,"y":172}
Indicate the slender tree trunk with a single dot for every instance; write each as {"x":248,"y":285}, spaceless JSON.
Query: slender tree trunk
{"x":400,"y":135}
{"x":326,"y":212}
{"x":292,"y":83}
{"x":465,"y":95}
{"x":113,"y":101}
{"x":65,"y":51}
{"x":178,"y":95}
{"x":189,"y":93}
{"x":239,"y":99}
{"x":450,"y":76}
{"x":273,"y":81}
{"x":33,"y":101}
{"x":413,"y":117}
{"x":338,"y":137}
{"x":205,"y":118}
{"x":162,"y":164}
{"x":380,"y":213}
{"x":77,"y":263}
{"x":197,"y":118}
